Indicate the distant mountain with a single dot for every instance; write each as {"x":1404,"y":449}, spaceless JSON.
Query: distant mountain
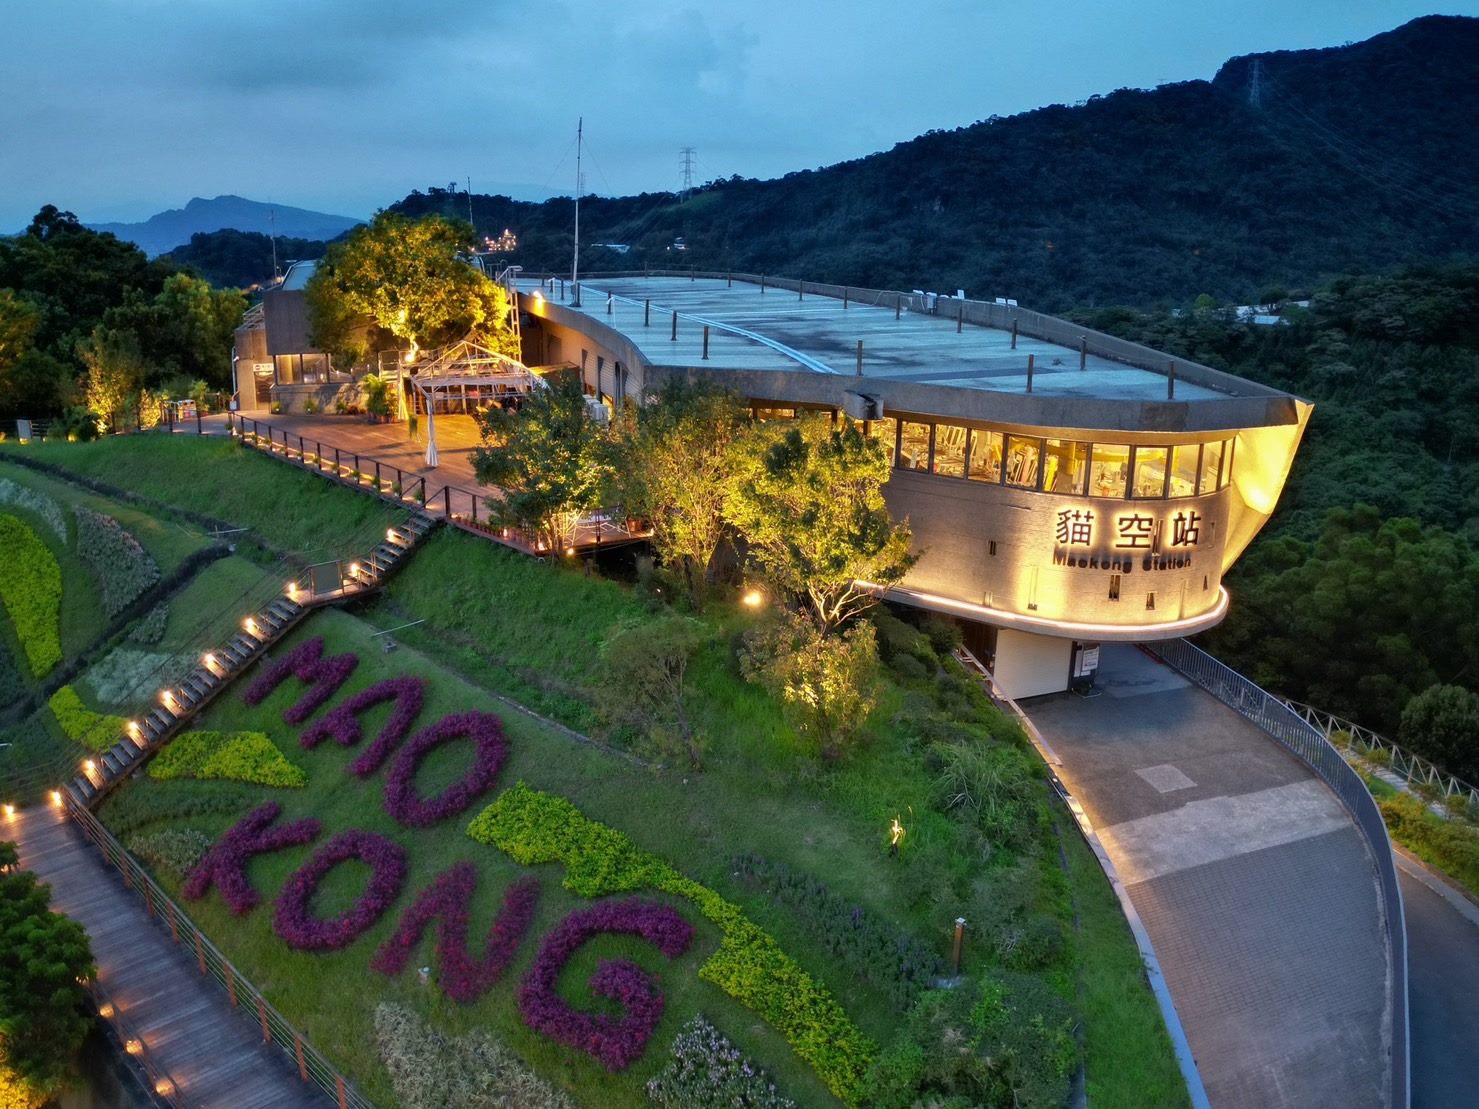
{"x":163,"y":232}
{"x":1354,"y":158}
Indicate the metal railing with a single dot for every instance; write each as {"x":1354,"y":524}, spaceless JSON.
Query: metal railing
{"x":162,"y":1084}
{"x":1415,"y":770}
{"x":1305,"y":742}
{"x":245,"y":998}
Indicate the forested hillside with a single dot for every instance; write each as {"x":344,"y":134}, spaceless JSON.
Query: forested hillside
{"x":239,"y":259}
{"x":1353,"y":159}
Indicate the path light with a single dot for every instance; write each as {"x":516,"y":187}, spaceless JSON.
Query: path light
{"x":753,"y":598}
{"x":89,"y":768}
{"x":896,"y":835}
{"x":292,"y":589}
{"x":354,"y":569}
{"x":251,"y":626}
{"x":569,"y":550}
{"x":133,"y":1047}
{"x":164,"y":1087}
{"x":132,"y":727}
{"x":56,"y":798}
{"x":167,"y":699}
{"x":208,"y":660}
{"x":9,"y":811}
{"x":105,"y":1011}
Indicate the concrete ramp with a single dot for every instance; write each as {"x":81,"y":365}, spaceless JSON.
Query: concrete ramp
{"x":1258,"y":891}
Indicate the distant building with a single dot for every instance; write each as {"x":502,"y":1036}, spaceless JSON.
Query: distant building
{"x":1065,"y":488}
{"x":272,"y":348}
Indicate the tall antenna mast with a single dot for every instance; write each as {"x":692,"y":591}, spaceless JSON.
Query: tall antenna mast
{"x":575,"y":266}
{"x":469,"y":209}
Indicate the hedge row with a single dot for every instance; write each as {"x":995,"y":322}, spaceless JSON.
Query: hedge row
{"x":31,"y":590}
{"x":122,"y":567}
{"x":33,"y":500}
{"x":94,"y":730}
{"x":534,"y":827}
{"x":232,"y":756}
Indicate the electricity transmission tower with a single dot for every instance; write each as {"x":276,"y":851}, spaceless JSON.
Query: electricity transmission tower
{"x":685,"y":163}
{"x":1255,"y":85}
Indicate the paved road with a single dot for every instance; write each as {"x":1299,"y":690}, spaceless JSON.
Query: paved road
{"x":1257,"y":891}
{"x":1443,"y":969}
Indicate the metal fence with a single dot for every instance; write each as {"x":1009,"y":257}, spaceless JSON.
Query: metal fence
{"x":1302,"y":739}
{"x":1415,"y":770}
{"x":245,"y":998}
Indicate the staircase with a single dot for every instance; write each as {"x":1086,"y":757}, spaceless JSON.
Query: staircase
{"x":218,"y":668}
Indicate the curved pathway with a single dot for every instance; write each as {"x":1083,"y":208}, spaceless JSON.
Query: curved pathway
{"x":1257,"y":890}
{"x":215,"y":1054}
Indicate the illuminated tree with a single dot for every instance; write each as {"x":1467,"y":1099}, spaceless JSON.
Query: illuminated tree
{"x":807,"y":498}
{"x":402,"y":282}
{"x":115,"y":370}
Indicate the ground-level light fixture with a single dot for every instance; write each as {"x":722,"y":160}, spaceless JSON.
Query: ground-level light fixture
{"x":292,"y":589}
{"x":164,"y":1087}
{"x":9,"y":811}
{"x":132,"y":727}
{"x":133,"y":1047}
{"x":753,"y":598}
{"x":105,"y":1011}
{"x":250,"y":625}
{"x":167,"y":699}
{"x":569,"y":550}
{"x":56,"y":798}
{"x":89,"y":767}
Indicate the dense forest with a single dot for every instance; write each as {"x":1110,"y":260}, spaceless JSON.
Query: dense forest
{"x":1346,"y":160}
{"x":241,"y":259}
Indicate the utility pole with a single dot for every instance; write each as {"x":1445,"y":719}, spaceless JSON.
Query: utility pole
{"x":575,"y":266}
{"x":272,"y":222}
{"x":685,"y":163}
{"x":1255,"y":85}
{"x":469,"y":208}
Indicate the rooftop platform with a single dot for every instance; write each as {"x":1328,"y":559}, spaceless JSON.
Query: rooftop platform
{"x":759,"y":328}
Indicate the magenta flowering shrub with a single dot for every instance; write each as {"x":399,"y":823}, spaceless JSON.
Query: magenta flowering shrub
{"x":306,"y":663}
{"x":294,"y":920}
{"x":342,"y":722}
{"x":224,"y":865}
{"x":615,"y":1042}
{"x":463,"y":976}
{"x":414,"y":811}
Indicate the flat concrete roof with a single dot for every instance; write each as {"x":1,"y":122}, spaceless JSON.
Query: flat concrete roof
{"x":751,"y":329}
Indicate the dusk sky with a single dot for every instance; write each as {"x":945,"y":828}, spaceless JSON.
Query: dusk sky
{"x":118,"y":108}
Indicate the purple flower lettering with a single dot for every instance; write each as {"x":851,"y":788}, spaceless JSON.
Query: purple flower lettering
{"x":294,"y":920}
{"x":616,"y":1042}
{"x":343,"y":724}
{"x":463,"y":976}
{"x":224,"y":865}
{"x":414,"y":811}
{"x":306,"y":663}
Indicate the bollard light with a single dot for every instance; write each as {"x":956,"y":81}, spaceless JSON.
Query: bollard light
{"x":132,"y":727}
{"x":167,"y":699}
{"x":133,"y":1047}
{"x":105,"y":1011}
{"x":9,"y":811}
{"x":292,"y":589}
{"x":250,"y":625}
{"x":89,"y":767}
{"x":56,"y":797}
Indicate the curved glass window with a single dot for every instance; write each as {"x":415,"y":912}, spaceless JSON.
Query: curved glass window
{"x":986,"y":456}
{"x":950,"y":450}
{"x":1023,"y":459}
{"x":1109,"y":470}
{"x":1066,"y":467}
{"x":1211,"y":467}
{"x":1185,"y":465}
{"x":1150,"y":472}
{"x":914,"y":446}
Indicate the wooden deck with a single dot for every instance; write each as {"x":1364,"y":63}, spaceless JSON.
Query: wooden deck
{"x":215,"y":1054}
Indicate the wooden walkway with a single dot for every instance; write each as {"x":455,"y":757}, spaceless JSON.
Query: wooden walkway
{"x":215,"y":1054}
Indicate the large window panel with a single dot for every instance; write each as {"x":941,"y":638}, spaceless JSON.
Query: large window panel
{"x":1211,"y":467}
{"x":1150,"y":472}
{"x":886,"y":431}
{"x":986,"y":456}
{"x":949,"y":450}
{"x":1024,"y":457}
{"x":1066,"y":468}
{"x":1109,"y":470}
{"x":914,"y":446}
{"x":1185,"y":464}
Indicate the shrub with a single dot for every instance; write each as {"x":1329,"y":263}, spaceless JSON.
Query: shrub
{"x":178,"y":850}
{"x":121,"y":567}
{"x":871,"y":949}
{"x":709,"y":1072}
{"x":1447,"y":844}
{"x":150,"y":627}
{"x":224,"y":865}
{"x":431,"y":1071}
{"x":310,"y":407}
{"x":896,"y":637}
{"x":306,"y":663}
{"x":342,"y":722}
{"x":490,"y":751}
{"x":533,"y":827}
{"x":908,"y":667}
{"x":129,"y":810}
{"x":31,"y":590}
{"x":233,"y":756}
{"x":994,"y":788}
{"x":463,"y":976}
{"x":294,"y":921}
{"x":614,"y":1042}
{"x":94,"y":730}
{"x":33,"y":500}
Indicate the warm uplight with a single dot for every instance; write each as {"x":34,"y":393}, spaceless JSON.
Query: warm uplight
{"x":9,"y":812}
{"x":354,"y":569}
{"x":250,"y":625}
{"x":105,"y":1011}
{"x":292,"y":588}
{"x":895,"y":834}
{"x":754,"y":598}
{"x":410,"y":357}
{"x":133,"y":1047}
{"x":569,"y":550}
{"x":167,"y":698}
{"x":89,"y":767}
{"x":56,"y":797}
{"x":538,"y":297}
{"x":390,"y":534}
{"x":208,"y":660}
{"x":132,"y":727}
{"x":164,"y":1087}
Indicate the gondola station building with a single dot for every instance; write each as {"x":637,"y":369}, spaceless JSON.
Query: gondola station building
{"x":1065,"y":488}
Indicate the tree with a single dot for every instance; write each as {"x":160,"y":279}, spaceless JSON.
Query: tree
{"x":645,"y":681}
{"x":678,"y":454}
{"x":44,"y":956}
{"x":115,"y":372}
{"x":807,"y":499}
{"x":406,"y":279}
{"x":1442,"y":725}
{"x":827,"y":684}
{"x":550,"y":461}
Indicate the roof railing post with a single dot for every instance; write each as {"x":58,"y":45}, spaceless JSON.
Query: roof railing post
{"x":762,"y":284}
{"x":860,"y":358}
{"x":674,"y":336}
{"x":800,"y":289}
{"x":959,"y":317}
{"x":1014,"y":334}
{"x":706,"y":342}
{"x":1030,"y":359}
{"x":898,"y":305}
{"x":1083,"y":352}
{"x":1171,"y":380}
{"x":844,"y":298}
{"x":647,"y":313}
{"x":610,"y":300}
{"x":729,"y":280}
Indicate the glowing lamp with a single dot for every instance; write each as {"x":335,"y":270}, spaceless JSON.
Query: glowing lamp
{"x":133,"y":1047}
{"x":164,"y":1087}
{"x":56,"y":797}
{"x":569,"y":550}
{"x":132,"y":727}
{"x":292,"y":589}
{"x":9,"y":812}
{"x":753,"y":598}
{"x":105,"y":1011}
{"x":167,"y":698}
{"x":89,"y":767}
{"x":250,"y":625}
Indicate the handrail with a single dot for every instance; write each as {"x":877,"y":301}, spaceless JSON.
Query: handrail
{"x":162,"y":1084}
{"x":311,"y":1065}
{"x":1303,"y":740}
{"x":1415,"y":769}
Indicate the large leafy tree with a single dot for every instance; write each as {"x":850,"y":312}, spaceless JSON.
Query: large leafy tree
{"x":398,"y":281}
{"x":807,"y":498}
{"x":43,"y":1005}
{"x":677,"y":456}
{"x":550,"y":462}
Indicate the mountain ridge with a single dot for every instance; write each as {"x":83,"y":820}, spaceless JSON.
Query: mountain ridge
{"x":164,"y":231}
